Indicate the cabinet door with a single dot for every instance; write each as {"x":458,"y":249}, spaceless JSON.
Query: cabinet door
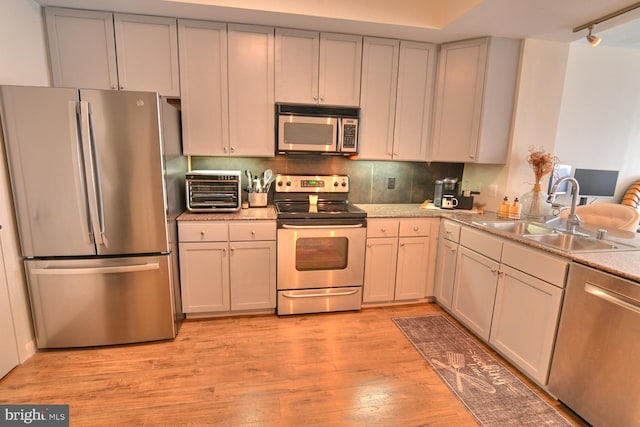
{"x":474,"y":291}
{"x":253,"y":275}
{"x":147,"y":53}
{"x":204,"y":277}
{"x":524,"y":324}
{"x":82,"y":49}
{"x":378,"y":98}
{"x":251,"y":82}
{"x":416,"y":73}
{"x":380,"y":269}
{"x":340,"y":69}
{"x":203,"y":88}
{"x":9,"y":354}
{"x":445,"y":272}
{"x":411,"y":273}
{"x":461,"y":76}
{"x":297,"y":54}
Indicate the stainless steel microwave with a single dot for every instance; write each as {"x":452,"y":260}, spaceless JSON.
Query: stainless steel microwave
{"x":317,"y":129}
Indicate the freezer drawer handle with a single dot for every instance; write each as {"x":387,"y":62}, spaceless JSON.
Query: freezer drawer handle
{"x":337,"y":294}
{"x":95,"y":270}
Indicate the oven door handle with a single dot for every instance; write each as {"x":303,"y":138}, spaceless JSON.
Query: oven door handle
{"x":337,"y":294}
{"x":323,"y":227}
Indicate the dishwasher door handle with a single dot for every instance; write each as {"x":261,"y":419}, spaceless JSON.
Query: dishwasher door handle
{"x":614,"y":298}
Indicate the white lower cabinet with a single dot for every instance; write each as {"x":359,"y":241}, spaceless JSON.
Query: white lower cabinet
{"x":398,"y":263}
{"x":509,"y":295}
{"x":446,"y":263}
{"x":474,"y":291}
{"x":227,"y":266}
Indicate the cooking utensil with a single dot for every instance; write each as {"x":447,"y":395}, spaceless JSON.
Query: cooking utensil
{"x":249,"y":175}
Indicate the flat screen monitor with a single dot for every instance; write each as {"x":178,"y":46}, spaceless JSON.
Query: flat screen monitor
{"x":596,"y":183}
{"x":559,"y":171}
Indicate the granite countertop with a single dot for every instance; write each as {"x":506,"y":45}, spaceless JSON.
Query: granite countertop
{"x":252,"y":214}
{"x":622,"y":263}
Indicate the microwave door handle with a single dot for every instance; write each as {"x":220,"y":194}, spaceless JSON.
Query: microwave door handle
{"x":340,"y":135}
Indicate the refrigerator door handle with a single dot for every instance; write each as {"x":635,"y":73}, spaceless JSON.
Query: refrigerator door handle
{"x":98,"y":180}
{"x":95,"y":270}
{"x":80,"y":177}
{"x":90,"y":175}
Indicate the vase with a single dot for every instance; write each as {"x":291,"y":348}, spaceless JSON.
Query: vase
{"x":534,"y":203}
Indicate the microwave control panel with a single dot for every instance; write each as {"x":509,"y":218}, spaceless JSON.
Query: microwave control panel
{"x":349,"y":135}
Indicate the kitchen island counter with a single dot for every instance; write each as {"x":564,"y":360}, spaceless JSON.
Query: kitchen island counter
{"x":251,"y":214}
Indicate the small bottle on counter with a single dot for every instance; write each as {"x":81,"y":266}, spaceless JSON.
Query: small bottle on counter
{"x":515,"y":209}
{"x":503,"y":211}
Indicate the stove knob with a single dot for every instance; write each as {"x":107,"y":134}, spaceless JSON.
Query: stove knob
{"x":288,"y":183}
{"x":280,"y":183}
{"x":344,"y":183}
{"x":335,"y":184}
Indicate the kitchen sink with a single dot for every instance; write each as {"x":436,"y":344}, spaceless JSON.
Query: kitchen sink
{"x":518,"y":227}
{"x":572,"y":243}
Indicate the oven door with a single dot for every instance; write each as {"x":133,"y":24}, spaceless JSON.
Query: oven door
{"x":320,"y":256}
{"x":307,"y":134}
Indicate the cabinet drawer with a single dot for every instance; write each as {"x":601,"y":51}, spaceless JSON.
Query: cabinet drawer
{"x":202,"y":231}
{"x":382,"y":228}
{"x":415,"y":228}
{"x":450,"y":231}
{"x":544,"y":266}
{"x":481,"y":242}
{"x":254,"y":230}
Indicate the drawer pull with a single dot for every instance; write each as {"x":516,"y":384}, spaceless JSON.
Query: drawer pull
{"x":384,"y":230}
{"x":416,"y":228}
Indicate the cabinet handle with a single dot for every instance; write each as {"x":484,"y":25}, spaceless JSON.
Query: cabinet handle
{"x":114,"y":87}
{"x":453,"y":250}
{"x":494,"y":270}
{"x":224,"y":250}
{"x":232,"y":250}
{"x":322,"y":98}
{"x":368,"y":245}
{"x":416,"y":228}
{"x":315,"y":98}
{"x":202,"y":232}
{"x":121,"y":87}
{"x":401,"y":244}
{"x":253,"y":233}
{"x":224,"y":149}
{"x":384,"y":230}
{"x":233,"y":150}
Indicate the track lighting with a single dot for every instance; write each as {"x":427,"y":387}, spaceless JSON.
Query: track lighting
{"x":593,"y":40}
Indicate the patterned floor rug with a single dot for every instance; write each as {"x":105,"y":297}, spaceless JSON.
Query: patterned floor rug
{"x":494,"y":396}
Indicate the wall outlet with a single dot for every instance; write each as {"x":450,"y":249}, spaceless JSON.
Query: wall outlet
{"x":492,"y":190}
{"x":391,"y":183}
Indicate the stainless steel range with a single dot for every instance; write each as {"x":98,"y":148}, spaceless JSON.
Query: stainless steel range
{"x":321,"y":245}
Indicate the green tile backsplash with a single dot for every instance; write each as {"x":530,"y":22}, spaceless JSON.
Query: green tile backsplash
{"x":415,"y":181}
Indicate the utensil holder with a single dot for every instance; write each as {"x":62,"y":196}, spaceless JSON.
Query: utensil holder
{"x":257,"y":200}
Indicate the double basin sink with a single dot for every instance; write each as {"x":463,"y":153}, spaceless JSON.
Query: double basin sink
{"x":554,"y":238}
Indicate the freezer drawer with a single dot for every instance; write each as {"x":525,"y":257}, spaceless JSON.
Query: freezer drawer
{"x":91,"y":302}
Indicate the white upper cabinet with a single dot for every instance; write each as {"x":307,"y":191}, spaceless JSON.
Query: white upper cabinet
{"x":317,"y":68}
{"x":474,"y":100}
{"x":203,"y":85}
{"x":226,"y":81}
{"x":416,"y":72}
{"x":378,"y":98}
{"x":251,"y":90}
{"x":100,"y":50}
{"x":147,"y":51}
{"x":397,"y":92}
{"x":81,"y":48}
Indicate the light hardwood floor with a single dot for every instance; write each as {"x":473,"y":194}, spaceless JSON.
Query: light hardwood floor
{"x":338,"y":369}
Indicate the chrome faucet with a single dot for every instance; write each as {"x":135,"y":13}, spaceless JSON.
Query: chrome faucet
{"x":573,"y":220}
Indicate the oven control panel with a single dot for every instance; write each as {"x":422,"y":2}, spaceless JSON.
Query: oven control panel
{"x":312,"y":184}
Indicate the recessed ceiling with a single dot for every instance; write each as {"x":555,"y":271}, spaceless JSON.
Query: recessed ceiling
{"x":425,"y":20}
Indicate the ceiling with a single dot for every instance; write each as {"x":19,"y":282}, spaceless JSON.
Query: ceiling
{"x":426,"y":20}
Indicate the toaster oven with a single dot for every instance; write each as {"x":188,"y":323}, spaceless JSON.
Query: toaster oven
{"x":213,"y":190}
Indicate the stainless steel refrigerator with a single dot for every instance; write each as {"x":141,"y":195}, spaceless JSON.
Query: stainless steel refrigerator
{"x":95,"y":198}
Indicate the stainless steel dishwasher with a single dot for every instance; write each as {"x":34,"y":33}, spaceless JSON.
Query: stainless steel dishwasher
{"x":597,"y":354}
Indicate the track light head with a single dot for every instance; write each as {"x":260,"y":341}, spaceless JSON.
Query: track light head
{"x":593,"y":40}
